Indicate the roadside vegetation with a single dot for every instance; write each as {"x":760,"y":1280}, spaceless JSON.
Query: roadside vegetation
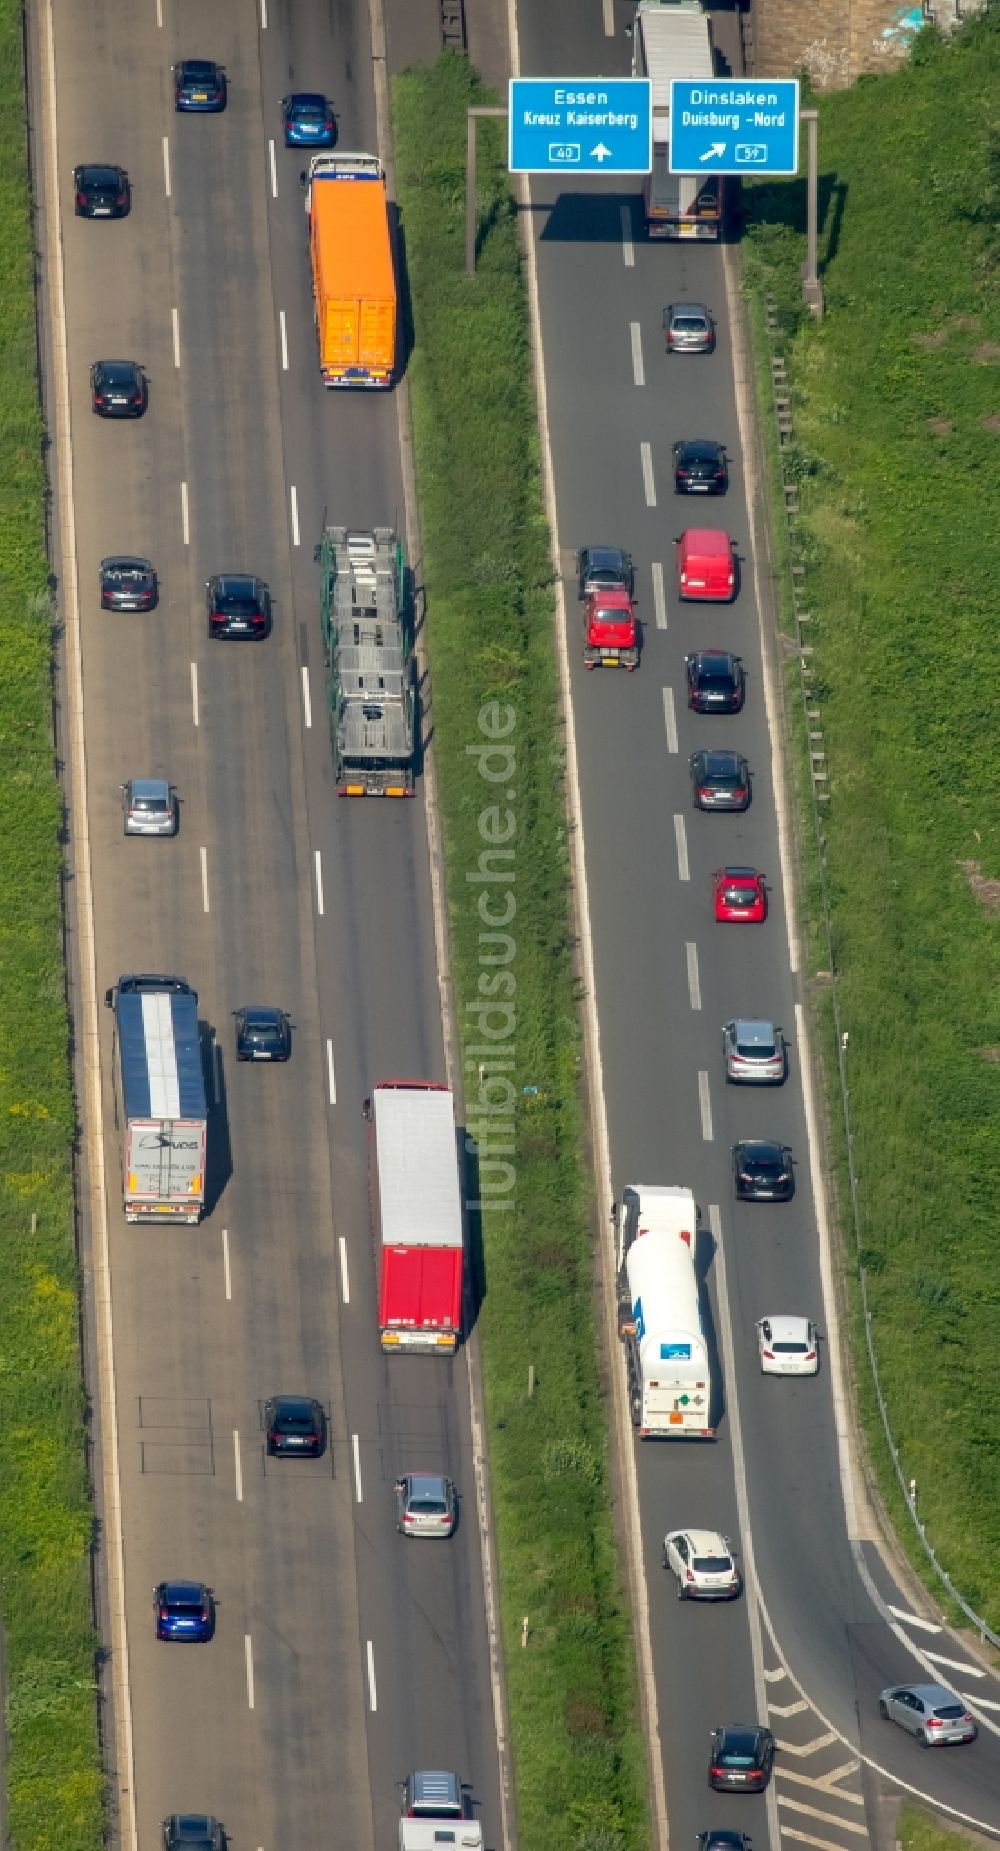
{"x":916,"y":1830}
{"x":897,"y":455}
{"x":55,"y":1788}
{"x":579,"y":1757}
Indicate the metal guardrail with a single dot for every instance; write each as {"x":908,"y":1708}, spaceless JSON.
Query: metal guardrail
{"x":782,"y":404}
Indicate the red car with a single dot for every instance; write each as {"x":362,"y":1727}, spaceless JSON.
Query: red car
{"x":740,"y":896}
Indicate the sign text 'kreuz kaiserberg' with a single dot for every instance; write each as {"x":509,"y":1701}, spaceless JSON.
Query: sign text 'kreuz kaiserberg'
{"x":734,"y":125}
{"x":582,"y":125}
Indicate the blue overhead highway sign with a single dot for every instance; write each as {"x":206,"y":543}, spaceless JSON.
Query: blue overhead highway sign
{"x":580,"y":125}
{"x":734,"y":125}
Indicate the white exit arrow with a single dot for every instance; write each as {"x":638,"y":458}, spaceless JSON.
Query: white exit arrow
{"x":718,"y":147}
{"x":601,"y":153}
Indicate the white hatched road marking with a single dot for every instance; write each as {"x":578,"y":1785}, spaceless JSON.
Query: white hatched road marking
{"x":828,"y":1783}
{"x":956,"y":1664}
{"x":806,"y":1838}
{"x":913,"y":1619}
{"x":828,"y":1818}
{"x":787,"y":1709}
{"x":775,"y":1674}
{"x":659,"y":597}
{"x":628,"y":248}
{"x":809,"y":1748}
{"x":646,"y":454}
{"x":638,"y":370}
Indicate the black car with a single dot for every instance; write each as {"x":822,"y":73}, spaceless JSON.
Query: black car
{"x":763,"y":1171}
{"x":716,"y":681}
{"x":724,"y":1841}
{"x":193,"y":1831}
{"x":719,"y":780}
{"x":118,"y":389}
{"x":199,"y":86}
{"x":128,"y":584}
{"x":742,"y":1758}
{"x":604,"y":568}
{"x":700,"y":467}
{"x":239,"y":604}
{"x":294,"y":1424}
{"x":101,"y":192}
{"x":263,"y":1034}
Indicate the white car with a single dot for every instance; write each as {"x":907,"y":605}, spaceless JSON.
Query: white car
{"x":704,"y":1565}
{"x":788,"y":1346}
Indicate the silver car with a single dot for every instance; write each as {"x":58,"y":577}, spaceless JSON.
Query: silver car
{"x":426,"y":1504}
{"x":928,"y":1711}
{"x":754,"y":1051}
{"x":688,"y":328}
{"x":149,"y":807}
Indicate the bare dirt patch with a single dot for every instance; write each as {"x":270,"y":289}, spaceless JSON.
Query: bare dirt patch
{"x":942,"y":427}
{"x":987,"y":353}
{"x":937,"y":339}
{"x":985,"y":889}
{"x":991,"y":422}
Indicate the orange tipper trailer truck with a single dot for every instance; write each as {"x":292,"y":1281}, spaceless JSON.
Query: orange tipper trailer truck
{"x":354,"y":285}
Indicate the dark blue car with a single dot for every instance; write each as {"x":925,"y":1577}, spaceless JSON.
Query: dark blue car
{"x":308,"y":121}
{"x":199,"y":86}
{"x":184,"y":1610}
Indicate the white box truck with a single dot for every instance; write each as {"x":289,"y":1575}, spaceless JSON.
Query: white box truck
{"x":673,"y":38}
{"x":659,"y":1314}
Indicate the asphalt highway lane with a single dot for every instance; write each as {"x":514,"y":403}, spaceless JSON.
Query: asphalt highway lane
{"x":343,"y":1656}
{"x":667,"y":978}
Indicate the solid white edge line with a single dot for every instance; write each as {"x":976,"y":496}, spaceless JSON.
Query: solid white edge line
{"x":166,"y":166}
{"x":175,"y":329}
{"x":319,"y":882}
{"x":239,"y":1468}
{"x":194,"y":691}
{"x":306,"y":697}
{"x":603,"y":1177}
{"x":680,"y":837}
{"x":670,"y":719}
{"x":356,"y":1461}
{"x":659,"y":596}
{"x":274,"y":168}
{"x":331,"y":1079}
{"x":638,"y":370}
{"x":345,"y":1283}
{"x":628,"y":245}
{"x":83,"y":889}
{"x":293,"y":497}
{"x":370,"y":1655}
{"x":694,"y":979}
{"x":203,"y":856}
{"x":226,"y":1274}
{"x":185,"y":518}
{"x":649,"y":486}
{"x":705,"y":1107}
{"x":248,"y":1651}
{"x":283,"y":335}
{"x":750,"y":1588}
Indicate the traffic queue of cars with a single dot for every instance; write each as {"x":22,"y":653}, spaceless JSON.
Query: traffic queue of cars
{"x":238,"y":606}
{"x":702,"y":1561}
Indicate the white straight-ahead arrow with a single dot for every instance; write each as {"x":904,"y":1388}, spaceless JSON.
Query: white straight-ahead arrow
{"x":601,"y":153}
{"x":710,"y":154}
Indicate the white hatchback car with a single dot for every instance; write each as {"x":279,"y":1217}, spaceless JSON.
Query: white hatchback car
{"x":788,"y":1346}
{"x":704,"y":1565}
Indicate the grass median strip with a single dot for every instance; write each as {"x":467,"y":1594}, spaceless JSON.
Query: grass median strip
{"x":54,"y":1780}
{"x":580,"y":1776}
{"x":897,"y":458}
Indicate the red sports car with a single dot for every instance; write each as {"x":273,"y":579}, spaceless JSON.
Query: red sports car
{"x":740,"y":896}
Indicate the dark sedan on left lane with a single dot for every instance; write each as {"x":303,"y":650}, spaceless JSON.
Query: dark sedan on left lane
{"x":128,"y":583}
{"x":101,"y":192}
{"x":700,"y":467}
{"x":184,"y":1610}
{"x":742,"y":1758}
{"x":308,"y":121}
{"x":763,"y":1171}
{"x":239,"y":604}
{"x":262,"y":1033}
{"x":199,"y":86}
{"x":719,"y":780}
{"x":118,"y":389}
{"x":295,"y":1426}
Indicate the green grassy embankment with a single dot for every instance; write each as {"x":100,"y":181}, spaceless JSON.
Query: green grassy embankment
{"x":897,"y":447}
{"x":918,"y":1831}
{"x":579,"y":1757}
{"x":53,"y":1771}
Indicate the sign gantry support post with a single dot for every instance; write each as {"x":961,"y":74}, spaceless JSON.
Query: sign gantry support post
{"x":812,"y":288}
{"x":476,"y":110}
